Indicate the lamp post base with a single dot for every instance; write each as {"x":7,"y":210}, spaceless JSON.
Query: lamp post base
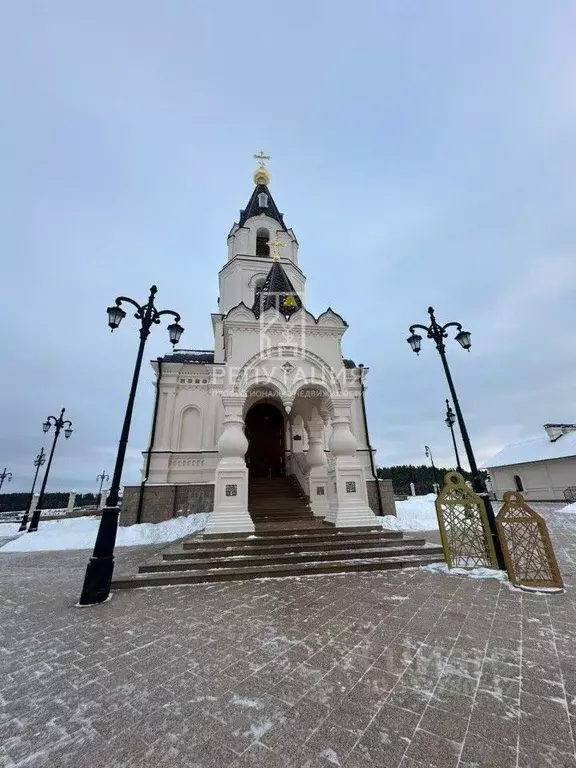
{"x":97,"y":581}
{"x":98,"y":578}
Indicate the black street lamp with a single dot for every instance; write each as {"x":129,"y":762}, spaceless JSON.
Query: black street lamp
{"x":428,"y":453}
{"x":450,"y":421}
{"x":38,"y":462}
{"x":5,"y":475}
{"x":103,"y":477}
{"x":438,"y":333}
{"x":57,"y":423}
{"x":96,"y":587}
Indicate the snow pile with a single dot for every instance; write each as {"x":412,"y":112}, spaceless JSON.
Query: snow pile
{"x":9,"y":529}
{"x":570,"y":509}
{"x":471,"y":573}
{"x":417,"y":513}
{"x":80,"y":533}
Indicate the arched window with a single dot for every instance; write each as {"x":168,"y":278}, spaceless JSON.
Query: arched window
{"x":263,"y":200}
{"x":262,"y":238}
{"x":518,"y":483}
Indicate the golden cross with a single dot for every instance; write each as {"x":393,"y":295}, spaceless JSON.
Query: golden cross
{"x":261,"y":157}
{"x":276,"y":245}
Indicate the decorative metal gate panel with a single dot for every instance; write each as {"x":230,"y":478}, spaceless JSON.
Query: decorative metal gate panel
{"x":530,"y":559}
{"x":464,"y":530}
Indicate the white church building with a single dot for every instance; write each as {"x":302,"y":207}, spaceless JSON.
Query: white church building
{"x":274,"y":398}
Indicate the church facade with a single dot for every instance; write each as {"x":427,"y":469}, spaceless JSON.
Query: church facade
{"x":274,"y":397}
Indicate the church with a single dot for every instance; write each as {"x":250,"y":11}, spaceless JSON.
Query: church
{"x":274,"y":415}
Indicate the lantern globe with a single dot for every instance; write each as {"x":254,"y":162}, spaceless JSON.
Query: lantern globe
{"x":115,"y":316}
{"x":415,"y":341}
{"x":175,"y":330}
{"x":463,"y":338}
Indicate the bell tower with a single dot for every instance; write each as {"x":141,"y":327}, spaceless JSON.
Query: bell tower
{"x":258,"y":238}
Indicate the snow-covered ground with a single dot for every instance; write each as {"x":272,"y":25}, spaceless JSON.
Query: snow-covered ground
{"x":417,"y":513}
{"x":80,"y":533}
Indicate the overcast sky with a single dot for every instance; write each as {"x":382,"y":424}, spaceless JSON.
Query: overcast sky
{"x":423,"y":152}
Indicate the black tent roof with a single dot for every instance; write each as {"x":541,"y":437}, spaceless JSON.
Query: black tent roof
{"x":278,"y":292}
{"x":255,"y":209}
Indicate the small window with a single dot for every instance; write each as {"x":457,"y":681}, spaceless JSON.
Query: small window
{"x":262,"y":240}
{"x":263,"y":200}
{"x":518,"y":483}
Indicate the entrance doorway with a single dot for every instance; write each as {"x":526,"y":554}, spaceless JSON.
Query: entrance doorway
{"x":265,"y":434}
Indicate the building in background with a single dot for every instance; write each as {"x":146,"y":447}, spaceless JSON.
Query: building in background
{"x":542,"y":469}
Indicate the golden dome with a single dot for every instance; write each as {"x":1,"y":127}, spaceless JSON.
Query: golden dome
{"x":261,"y":175}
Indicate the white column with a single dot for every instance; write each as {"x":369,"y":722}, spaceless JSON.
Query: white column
{"x":297,"y":432}
{"x":230,"y":513}
{"x":317,"y":475}
{"x":412,"y":489}
{"x":347,"y":494}
{"x":71,"y":500}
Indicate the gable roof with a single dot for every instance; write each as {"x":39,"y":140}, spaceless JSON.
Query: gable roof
{"x":278,"y":292}
{"x":255,"y":209}
{"x":537,"y":449}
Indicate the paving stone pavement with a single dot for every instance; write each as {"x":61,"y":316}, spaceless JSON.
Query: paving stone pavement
{"x":406,"y":669}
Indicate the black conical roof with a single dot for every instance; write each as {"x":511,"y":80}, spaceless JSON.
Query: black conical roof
{"x":278,"y":292}
{"x":255,"y":209}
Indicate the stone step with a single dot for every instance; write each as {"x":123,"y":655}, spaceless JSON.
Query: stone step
{"x":296,"y":536}
{"x":279,"y":515}
{"x":275,"y":501}
{"x":263,"y":548}
{"x":281,"y":518}
{"x":228,"y":561}
{"x":287,"y":506}
{"x":274,"y":571}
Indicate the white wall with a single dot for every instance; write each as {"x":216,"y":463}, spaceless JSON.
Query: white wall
{"x":542,"y":480}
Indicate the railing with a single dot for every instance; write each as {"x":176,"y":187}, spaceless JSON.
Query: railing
{"x":301,"y":469}
{"x":12,"y":516}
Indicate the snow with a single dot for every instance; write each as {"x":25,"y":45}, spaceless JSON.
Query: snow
{"x":80,"y":533}
{"x":9,"y":529}
{"x":417,"y":513}
{"x":536,"y":449}
{"x":570,"y":509}
{"x":471,"y":573}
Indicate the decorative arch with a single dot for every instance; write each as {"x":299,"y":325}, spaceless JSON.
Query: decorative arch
{"x":260,"y":379}
{"x":190,"y":432}
{"x":324,"y":377}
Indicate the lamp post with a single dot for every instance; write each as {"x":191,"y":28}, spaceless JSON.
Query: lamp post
{"x":5,"y":475}
{"x":428,"y":453}
{"x":96,"y":587}
{"x":450,"y":421}
{"x":438,"y":333}
{"x":58,"y":424}
{"x":38,"y":462}
{"x":103,"y":477}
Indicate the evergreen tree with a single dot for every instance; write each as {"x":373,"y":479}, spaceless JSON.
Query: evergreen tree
{"x":423,"y":477}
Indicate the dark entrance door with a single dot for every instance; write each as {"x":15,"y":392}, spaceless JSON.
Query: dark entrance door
{"x":265,"y":434}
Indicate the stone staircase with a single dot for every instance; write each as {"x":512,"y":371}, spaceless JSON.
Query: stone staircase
{"x":288,"y":541}
{"x":277,"y":499}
